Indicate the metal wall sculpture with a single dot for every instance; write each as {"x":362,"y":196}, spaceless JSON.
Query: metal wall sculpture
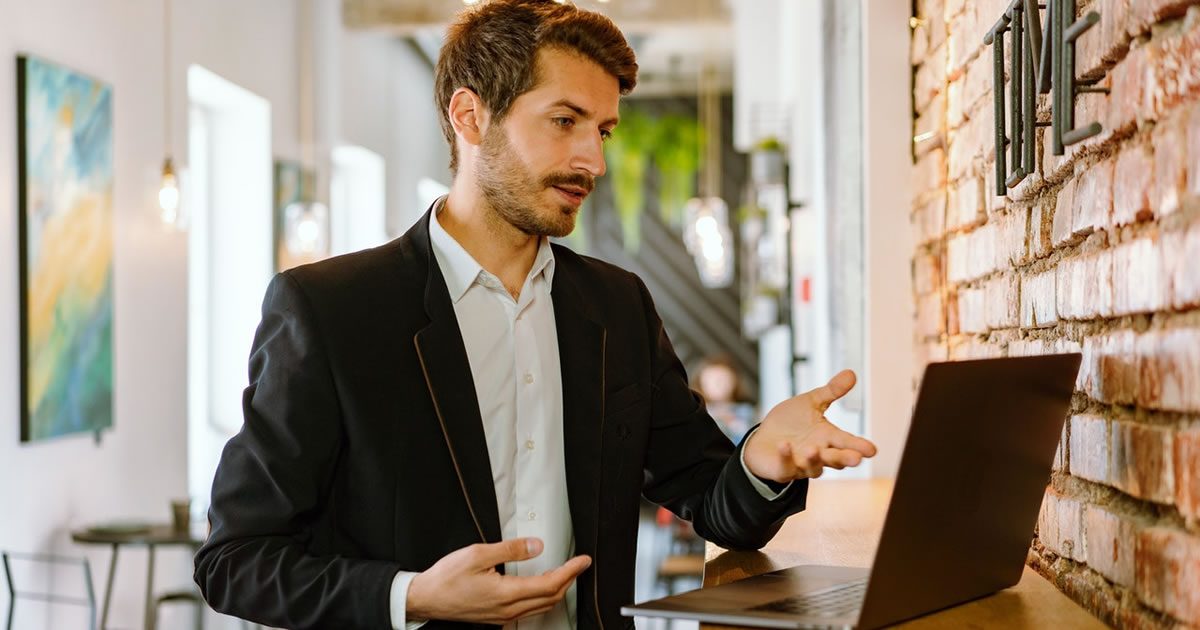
{"x":1051,"y":48}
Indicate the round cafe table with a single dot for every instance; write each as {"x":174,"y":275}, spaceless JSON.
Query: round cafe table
{"x":151,"y":537}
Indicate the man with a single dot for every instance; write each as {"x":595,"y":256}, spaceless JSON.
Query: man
{"x":455,"y":428}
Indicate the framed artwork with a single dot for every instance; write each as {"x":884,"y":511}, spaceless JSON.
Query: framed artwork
{"x":65,"y":249}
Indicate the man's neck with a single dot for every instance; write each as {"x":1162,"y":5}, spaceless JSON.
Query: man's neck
{"x":495,"y":244}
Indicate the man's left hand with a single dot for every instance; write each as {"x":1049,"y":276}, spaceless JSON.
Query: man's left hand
{"x":795,"y":441}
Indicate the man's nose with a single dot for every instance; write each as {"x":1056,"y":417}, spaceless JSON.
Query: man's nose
{"x":590,"y":157}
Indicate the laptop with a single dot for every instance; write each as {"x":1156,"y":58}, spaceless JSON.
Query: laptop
{"x":967,"y":494}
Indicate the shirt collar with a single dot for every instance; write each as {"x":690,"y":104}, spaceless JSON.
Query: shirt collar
{"x":461,"y":270}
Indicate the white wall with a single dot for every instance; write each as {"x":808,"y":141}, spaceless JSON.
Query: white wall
{"x":887,"y":137}
{"x":48,"y":488}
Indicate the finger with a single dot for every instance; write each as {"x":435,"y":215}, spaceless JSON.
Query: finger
{"x":807,"y":461}
{"x":518,"y":588}
{"x":840,"y":458}
{"x":515,"y":550}
{"x":844,"y":440}
{"x":787,"y":464}
{"x":837,"y":387}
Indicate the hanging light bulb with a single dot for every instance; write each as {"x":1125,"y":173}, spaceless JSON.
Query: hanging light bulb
{"x":306,"y":228}
{"x":168,"y":194}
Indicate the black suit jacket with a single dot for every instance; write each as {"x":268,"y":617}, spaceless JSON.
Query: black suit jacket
{"x":363,"y":451}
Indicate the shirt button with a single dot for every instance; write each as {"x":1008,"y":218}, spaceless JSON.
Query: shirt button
{"x":532,"y":515}
{"x":529,"y":444}
{"x":528,"y":379}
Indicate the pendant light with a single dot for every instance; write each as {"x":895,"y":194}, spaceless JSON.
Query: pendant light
{"x":706,"y":226}
{"x":168,"y":190}
{"x":306,"y":221}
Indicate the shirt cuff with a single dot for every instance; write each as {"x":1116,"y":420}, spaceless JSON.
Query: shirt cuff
{"x":763,"y":489}
{"x":400,"y":585}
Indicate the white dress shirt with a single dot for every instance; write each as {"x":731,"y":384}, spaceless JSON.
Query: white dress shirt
{"x":512,"y":347}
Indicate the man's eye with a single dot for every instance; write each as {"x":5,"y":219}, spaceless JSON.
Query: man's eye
{"x":605,"y":134}
{"x":563,"y":122}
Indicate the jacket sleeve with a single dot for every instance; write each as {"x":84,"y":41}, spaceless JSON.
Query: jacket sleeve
{"x":692,"y":469}
{"x":272,"y":484}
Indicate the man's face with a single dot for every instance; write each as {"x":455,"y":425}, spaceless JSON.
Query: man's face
{"x":536,"y":167}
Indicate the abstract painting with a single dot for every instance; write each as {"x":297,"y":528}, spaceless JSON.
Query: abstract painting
{"x":65,"y":192}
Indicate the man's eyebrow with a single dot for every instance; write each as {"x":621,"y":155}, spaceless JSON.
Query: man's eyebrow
{"x":579,"y":110}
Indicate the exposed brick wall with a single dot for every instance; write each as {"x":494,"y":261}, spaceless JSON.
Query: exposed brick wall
{"x":1098,"y":251}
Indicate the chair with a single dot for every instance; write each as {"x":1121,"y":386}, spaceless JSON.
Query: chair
{"x":14,"y":594}
{"x":187,"y":597}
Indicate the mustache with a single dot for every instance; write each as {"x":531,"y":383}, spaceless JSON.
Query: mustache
{"x":582,"y":180}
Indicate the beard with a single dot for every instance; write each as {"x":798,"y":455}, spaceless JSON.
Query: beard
{"x":516,"y":195}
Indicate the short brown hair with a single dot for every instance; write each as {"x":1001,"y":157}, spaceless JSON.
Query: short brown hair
{"x":492,"y":50}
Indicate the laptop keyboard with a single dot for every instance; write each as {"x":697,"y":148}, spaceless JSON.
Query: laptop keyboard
{"x":835,"y":601}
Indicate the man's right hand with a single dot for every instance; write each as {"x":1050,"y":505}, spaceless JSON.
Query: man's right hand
{"x":465,"y":586}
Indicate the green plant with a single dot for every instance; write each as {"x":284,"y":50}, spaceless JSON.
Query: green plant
{"x":676,"y":149}
{"x":770,"y":143}
{"x":627,"y":153}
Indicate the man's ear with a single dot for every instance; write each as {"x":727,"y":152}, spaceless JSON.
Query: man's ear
{"x":468,"y":116}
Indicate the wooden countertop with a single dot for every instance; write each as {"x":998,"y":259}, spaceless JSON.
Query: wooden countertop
{"x":841,"y":527}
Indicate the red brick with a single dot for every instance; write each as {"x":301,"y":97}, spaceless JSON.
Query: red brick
{"x":1187,"y":474}
{"x":1140,"y":280}
{"x":969,"y":348}
{"x":966,"y":204}
{"x":931,"y":319}
{"x":1111,"y":544}
{"x":1011,"y":233}
{"x":1170,"y":164}
{"x":929,"y":173}
{"x":1183,"y":261}
{"x":1070,"y":285}
{"x":972,"y":314}
{"x":1146,"y":13}
{"x":1060,"y":526}
{"x":971,"y":140}
{"x":929,"y":220}
{"x":1028,"y":348}
{"x":951,"y":310}
{"x":981,"y":251}
{"x":1062,"y":231}
{"x":927,"y":273}
{"x":954,"y":7}
{"x":930,"y":121}
{"x":1132,"y":186}
{"x":1169,"y":366}
{"x":1141,"y":462}
{"x":1038,"y":307}
{"x":1175,"y":78}
{"x":1055,"y":168}
{"x":1064,"y":446}
{"x":1109,"y":369}
{"x":929,"y":353}
{"x":934,"y":14}
{"x":1167,"y":565}
{"x":1003,"y":302}
{"x":1129,"y":90}
{"x":1093,"y":107}
{"x":919,"y":46}
{"x":960,"y":44}
{"x":957,"y":259}
{"x":1104,"y":43}
{"x":1098,"y":285}
{"x":930,"y":79}
{"x":1039,"y":228}
{"x":977,"y":83}
{"x":1089,"y":448}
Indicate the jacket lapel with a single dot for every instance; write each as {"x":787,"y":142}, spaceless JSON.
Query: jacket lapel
{"x":448,"y":375}
{"x":581,"y":348}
